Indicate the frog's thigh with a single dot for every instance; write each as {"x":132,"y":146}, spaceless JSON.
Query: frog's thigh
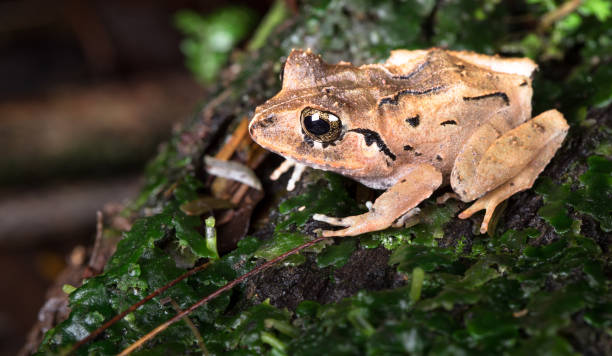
{"x":464,"y":173}
{"x":415,"y":186}
{"x":514,"y":161}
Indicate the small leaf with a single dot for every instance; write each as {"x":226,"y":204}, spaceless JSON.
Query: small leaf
{"x":281,"y":243}
{"x":554,"y":210}
{"x":188,"y":237}
{"x":336,"y":255}
{"x":428,"y":258}
{"x":416,"y":285}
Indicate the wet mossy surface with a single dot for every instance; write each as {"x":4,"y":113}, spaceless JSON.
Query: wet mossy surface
{"x":539,"y":285}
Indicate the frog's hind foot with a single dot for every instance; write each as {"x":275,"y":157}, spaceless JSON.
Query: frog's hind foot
{"x":527,"y":148}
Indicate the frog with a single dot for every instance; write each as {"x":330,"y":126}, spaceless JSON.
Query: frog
{"x":419,"y":121}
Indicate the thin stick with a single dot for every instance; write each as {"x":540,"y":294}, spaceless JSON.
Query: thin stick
{"x":557,"y":14}
{"x":191,"y":326}
{"x":135,"y":306}
{"x":98,"y":241}
{"x":230,"y":147}
{"x":138,"y":343}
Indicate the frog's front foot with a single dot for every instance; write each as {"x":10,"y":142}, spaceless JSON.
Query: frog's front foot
{"x":400,"y":200}
{"x":355,"y":225}
{"x":298,"y":170}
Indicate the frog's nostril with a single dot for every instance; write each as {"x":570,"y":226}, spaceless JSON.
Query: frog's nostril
{"x":269,"y":120}
{"x":258,"y":123}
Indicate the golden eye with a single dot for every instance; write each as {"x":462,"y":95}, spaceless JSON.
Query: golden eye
{"x":321,"y":126}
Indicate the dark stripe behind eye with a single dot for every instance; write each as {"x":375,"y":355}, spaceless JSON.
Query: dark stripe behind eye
{"x":373,"y":136}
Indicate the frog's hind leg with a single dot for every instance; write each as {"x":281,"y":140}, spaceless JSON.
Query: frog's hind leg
{"x":511,"y":164}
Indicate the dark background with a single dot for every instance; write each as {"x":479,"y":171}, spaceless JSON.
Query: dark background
{"x":88,"y":90}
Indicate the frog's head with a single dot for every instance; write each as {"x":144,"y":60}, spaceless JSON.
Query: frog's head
{"x":322,"y":117}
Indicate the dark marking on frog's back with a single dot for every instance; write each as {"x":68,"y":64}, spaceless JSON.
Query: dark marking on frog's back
{"x":417,"y":70}
{"x":408,"y":148}
{"x":414,"y":121}
{"x":372,"y":136}
{"x":497,"y":94}
{"x":448,"y":122}
{"x":394,"y":100}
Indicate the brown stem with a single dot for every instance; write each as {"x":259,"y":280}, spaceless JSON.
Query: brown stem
{"x":191,"y":326}
{"x":135,"y":306}
{"x":557,"y":14}
{"x":138,"y":343}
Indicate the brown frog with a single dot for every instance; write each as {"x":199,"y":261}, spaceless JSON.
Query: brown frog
{"x":419,"y":121}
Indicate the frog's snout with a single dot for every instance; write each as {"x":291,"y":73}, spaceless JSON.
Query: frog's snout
{"x":259,"y":122}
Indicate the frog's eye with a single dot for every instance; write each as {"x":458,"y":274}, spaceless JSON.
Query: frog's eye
{"x":321,"y":126}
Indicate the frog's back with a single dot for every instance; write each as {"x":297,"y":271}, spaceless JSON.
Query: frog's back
{"x":443,"y":97}
{"x":477,"y":78}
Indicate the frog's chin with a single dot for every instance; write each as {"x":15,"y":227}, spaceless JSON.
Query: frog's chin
{"x":353,"y":173}
{"x":333,"y":166}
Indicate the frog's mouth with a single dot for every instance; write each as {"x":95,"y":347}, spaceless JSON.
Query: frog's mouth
{"x":339,"y":166}
{"x":320,"y":158}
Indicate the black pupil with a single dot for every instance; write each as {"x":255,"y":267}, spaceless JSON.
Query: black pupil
{"x":318,"y":127}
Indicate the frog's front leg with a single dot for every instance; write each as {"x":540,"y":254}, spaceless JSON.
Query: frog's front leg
{"x":511,"y":164}
{"x":416,"y":185}
{"x":287,"y":164}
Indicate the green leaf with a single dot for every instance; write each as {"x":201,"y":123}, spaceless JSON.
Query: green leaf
{"x":549,"y":312}
{"x":599,"y":8}
{"x":187,"y":235}
{"x":429,"y":259}
{"x":491,"y":326}
{"x":600,"y":316}
{"x":554,"y":210}
{"x":545,"y":346}
{"x":281,"y":243}
{"x":336,"y":255}
{"x":211,"y":38}
{"x":416,"y":284}
{"x":139,"y":239}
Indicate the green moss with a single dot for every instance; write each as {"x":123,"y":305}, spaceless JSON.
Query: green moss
{"x":336,"y":255}
{"x":593,"y":197}
{"x":554,"y":210}
{"x":329,"y":198}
